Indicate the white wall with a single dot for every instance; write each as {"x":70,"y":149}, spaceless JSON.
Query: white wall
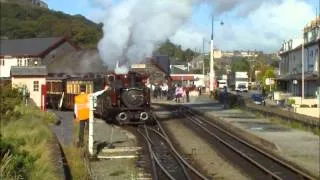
{"x":8,"y":62}
{"x":13,"y":61}
{"x":28,"y":81}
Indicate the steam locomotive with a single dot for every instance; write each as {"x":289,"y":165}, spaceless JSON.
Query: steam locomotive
{"x":127,"y":101}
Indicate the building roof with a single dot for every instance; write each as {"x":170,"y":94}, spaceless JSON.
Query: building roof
{"x":29,"y":71}
{"x":33,"y":47}
{"x":163,"y":62}
{"x":78,"y":62}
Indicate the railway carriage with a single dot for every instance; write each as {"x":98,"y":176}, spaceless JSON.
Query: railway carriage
{"x":126,"y":102}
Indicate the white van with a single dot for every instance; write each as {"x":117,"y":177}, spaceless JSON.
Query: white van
{"x":222,"y":84}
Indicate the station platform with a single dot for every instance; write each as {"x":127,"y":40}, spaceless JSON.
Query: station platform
{"x":297,"y":146}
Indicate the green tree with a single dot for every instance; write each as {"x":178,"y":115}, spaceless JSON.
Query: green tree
{"x":265,"y":72}
{"x":240,"y":65}
{"x":20,"y":21}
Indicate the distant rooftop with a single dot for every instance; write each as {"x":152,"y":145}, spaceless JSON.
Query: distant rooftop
{"x":28,"y":47}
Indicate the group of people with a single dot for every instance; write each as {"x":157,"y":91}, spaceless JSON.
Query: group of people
{"x":163,"y":91}
{"x":159,"y":91}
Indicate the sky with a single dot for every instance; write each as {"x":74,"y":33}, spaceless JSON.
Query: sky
{"x":247,"y":24}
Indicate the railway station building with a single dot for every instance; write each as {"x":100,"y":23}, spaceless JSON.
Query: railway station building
{"x":31,"y":52}
{"x":30,"y":79}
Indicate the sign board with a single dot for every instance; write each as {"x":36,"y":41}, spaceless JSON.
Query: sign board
{"x":138,"y":66}
{"x":269,"y":81}
{"x":241,"y":75}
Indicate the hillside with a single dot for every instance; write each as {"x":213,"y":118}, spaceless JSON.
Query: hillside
{"x":26,"y":22}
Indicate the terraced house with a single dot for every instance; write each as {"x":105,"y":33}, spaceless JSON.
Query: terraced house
{"x":292,"y":53}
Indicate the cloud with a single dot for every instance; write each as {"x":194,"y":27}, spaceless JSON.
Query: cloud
{"x":264,"y":28}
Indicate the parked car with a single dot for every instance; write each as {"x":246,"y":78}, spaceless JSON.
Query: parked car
{"x":258,"y":99}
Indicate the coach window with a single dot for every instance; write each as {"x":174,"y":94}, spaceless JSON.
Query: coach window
{"x":35,"y":85}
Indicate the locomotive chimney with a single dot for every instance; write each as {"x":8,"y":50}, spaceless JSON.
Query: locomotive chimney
{"x":132,"y":79}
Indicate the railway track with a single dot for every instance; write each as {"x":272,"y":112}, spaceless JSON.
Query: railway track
{"x":271,"y":166}
{"x":166,"y":162}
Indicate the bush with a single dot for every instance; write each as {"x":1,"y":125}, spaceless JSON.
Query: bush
{"x":304,"y":106}
{"x":291,"y":101}
{"x":314,"y":105}
{"x":10,"y":98}
{"x":25,"y":152}
{"x":14,"y":163}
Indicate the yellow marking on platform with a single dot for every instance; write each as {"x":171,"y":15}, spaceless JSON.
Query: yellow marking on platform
{"x":123,"y":149}
{"x":117,"y":157}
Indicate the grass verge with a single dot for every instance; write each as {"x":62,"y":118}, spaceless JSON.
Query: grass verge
{"x":25,"y":146}
{"x":76,"y":158}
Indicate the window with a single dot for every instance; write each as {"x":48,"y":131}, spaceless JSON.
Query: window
{"x":35,"y":85}
{"x":29,"y":62}
{"x":19,"y":62}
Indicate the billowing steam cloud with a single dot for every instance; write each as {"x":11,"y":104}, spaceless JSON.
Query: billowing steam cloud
{"x":134,"y":28}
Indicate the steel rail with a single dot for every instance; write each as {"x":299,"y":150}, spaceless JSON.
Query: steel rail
{"x":165,"y":136}
{"x":177,"y":158}
{"x":198,"y":122}
{"x":153,"y":156}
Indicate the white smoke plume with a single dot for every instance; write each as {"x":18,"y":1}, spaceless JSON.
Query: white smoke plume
{"x":133,"y":29}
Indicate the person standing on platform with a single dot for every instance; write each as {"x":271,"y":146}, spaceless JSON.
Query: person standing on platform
{"x":81,"y":110}
{"x":225,"y":97}
{"x":187,"y":93}
{"x":164,"y":89}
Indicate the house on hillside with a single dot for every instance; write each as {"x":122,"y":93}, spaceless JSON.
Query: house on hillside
{"x":31,"y":77}
{"x":31,"y":52}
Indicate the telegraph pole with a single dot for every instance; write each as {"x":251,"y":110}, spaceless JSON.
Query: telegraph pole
{"x":302,"y":70}
{"x":203,"y":57}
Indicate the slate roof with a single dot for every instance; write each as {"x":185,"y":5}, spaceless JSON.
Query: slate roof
{"x":78,"y":62}
{"x":35,"y":47}
{"x":29,"y":71}
{"x":163,"y":62}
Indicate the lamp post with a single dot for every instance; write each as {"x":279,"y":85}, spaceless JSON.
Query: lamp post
{"x":302,"y":70}
{"x":212,"y":73}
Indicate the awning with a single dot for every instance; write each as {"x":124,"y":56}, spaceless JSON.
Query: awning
{"x":307,"y":76}
{"x":182,"y":78}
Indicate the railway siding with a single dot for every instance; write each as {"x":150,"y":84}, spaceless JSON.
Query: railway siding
{"x":298,"y":147}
